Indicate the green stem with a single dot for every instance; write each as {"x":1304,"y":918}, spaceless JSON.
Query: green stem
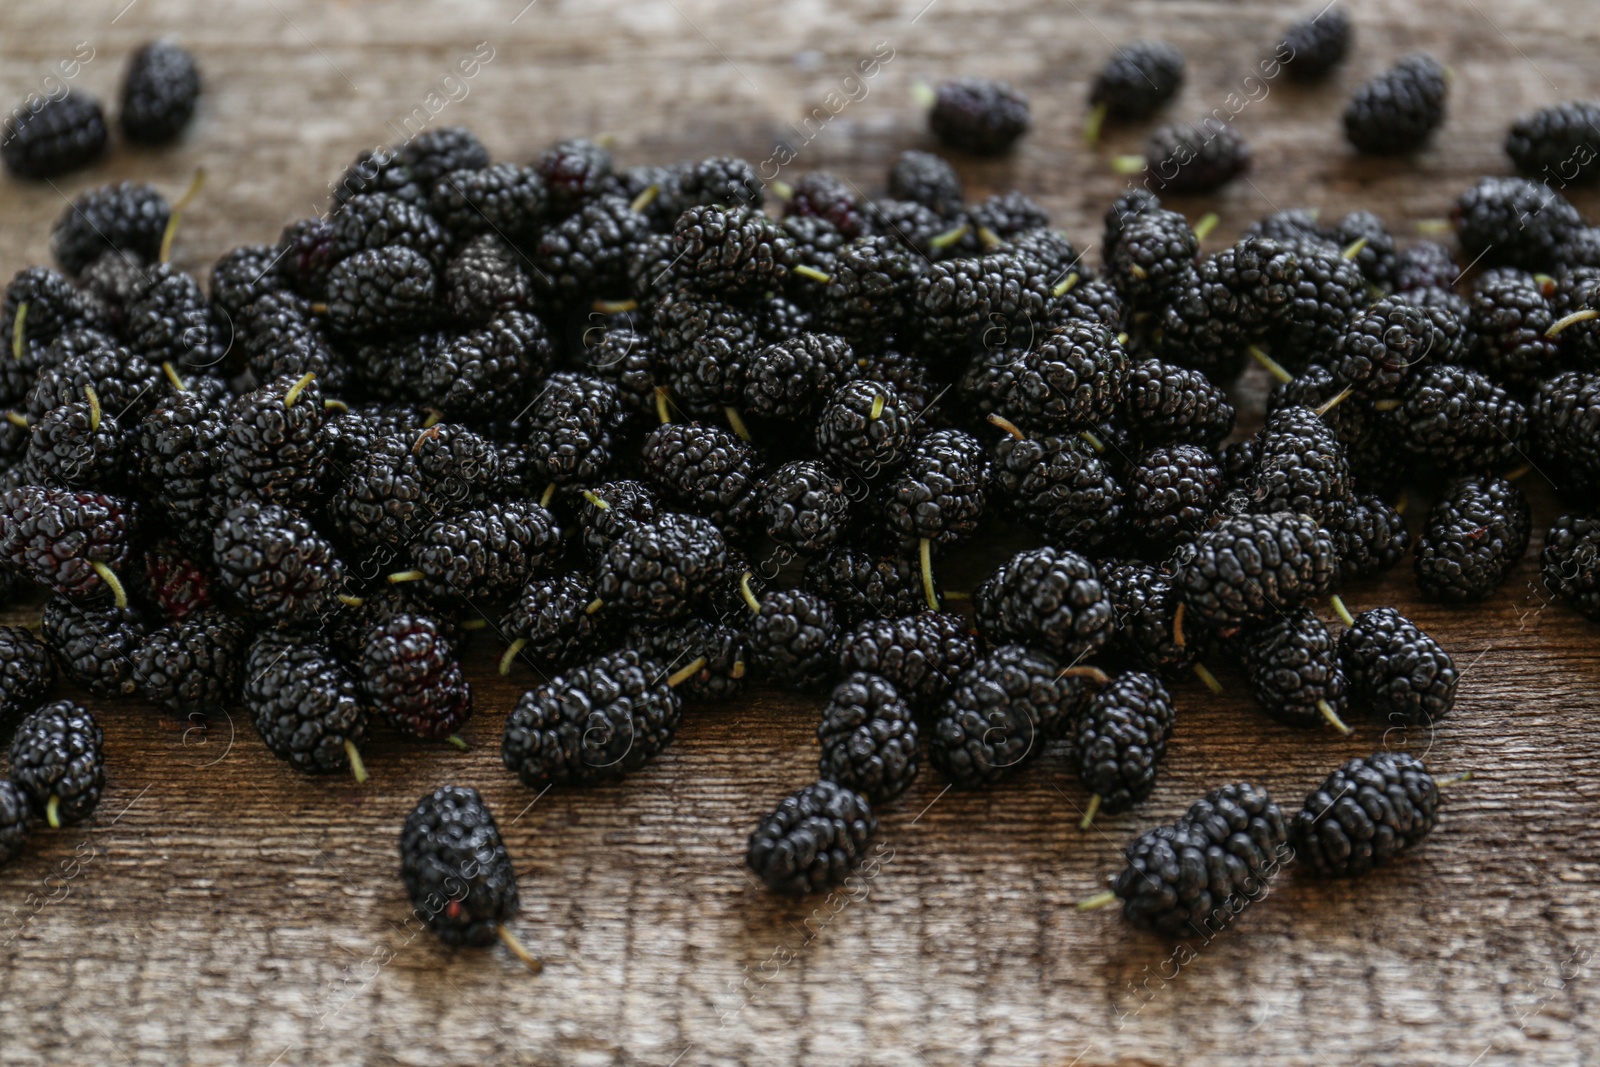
{"x":1088,"y":816}
{"x":357,"y":768}
{"x":1340,"y":610}
{"x":511,"y":655}
{"x":1099,"y":900}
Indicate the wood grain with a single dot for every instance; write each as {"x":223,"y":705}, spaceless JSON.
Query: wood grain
{"x":222,"y":909}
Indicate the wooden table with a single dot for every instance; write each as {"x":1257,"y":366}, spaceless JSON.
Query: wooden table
{"x":220,"y":908}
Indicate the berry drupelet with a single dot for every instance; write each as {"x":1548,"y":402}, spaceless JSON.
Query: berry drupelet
{"x":1249,"y":567}
{"x":457,"y":871}
{"x":57,"y":763}
{"x":1401,"y":674}
{"x":594,"y":723}
{"x":1194,"y":876}
{"x":159,"y":93}
{"x":978,"y":115}
{"x":47,"y":137}
{"x":305,"y":704}
{"x":409,"y":674}
{"x":1570,"y":563}
{"x":1316,"y":45}
{"x":1475,"y":534}
{"x":1294,"y":672}
{"x":998,"y":714}
{"x":868,"y":738}
{"x":812,"y":840}
{"x":1120,"y":741}
{"x":1049,"y":597}
{"x":1365,"y":815}
{"x":1398,"y":110}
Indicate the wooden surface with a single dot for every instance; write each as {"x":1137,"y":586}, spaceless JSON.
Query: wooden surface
{"x":220,"y":908}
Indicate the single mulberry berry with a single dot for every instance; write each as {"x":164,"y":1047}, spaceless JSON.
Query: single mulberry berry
{"x":1558,"y":143}
{"x":1514,"y":222}
{"x":1188,"y":158}
{"x":926,"y":179}
{"x":276,"y":566}
{"x":305,"y":704}
{"x":1139,"y":77}
{"x":26,"y":670}
{"x":1398,"y":110}
{"x":868,"y":738}
{"x":482,"y":552}
{"x":457,"y":871}
{"x":998,"y":715}
{"x":1402,"y":675}
{"x":1316,"y":45}
{"x":813,"y":840}
{"x":1120,"y":739}
{"x":159,"y":93}
{"x":978,"y":115}
{"x":1048,"y":597}
{"x":920,"y":654}
{"x":192,"y":666}
{"x":1569,"y":561}
{"x":865,"y":426}
{"x":46,"y":137}
{"x":861,"y":585}
{"x":56,"y":759}
{"x":1058,"y":486}
{"x":660,"y":571}
{"x":1195,"y":876}
{"x":409,"y":674}
{"x":792,"y":638}
{"x":94,"y":644}
{"x":1171,"y":493}
{"x":72,"y":542}
{"x":1148,"y":632}
{"x":1365,"y":815}
{"x":1476,"y":533}
{"x":15,"y":818}
{"x":126,"y":217}
{"x":551,"y":623}
{"x":706,"y":469}
{"x":1250,"y":566}
{"x":1294,"y":672}
{"x":594,"y":723}
{"x":803,"y":504}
